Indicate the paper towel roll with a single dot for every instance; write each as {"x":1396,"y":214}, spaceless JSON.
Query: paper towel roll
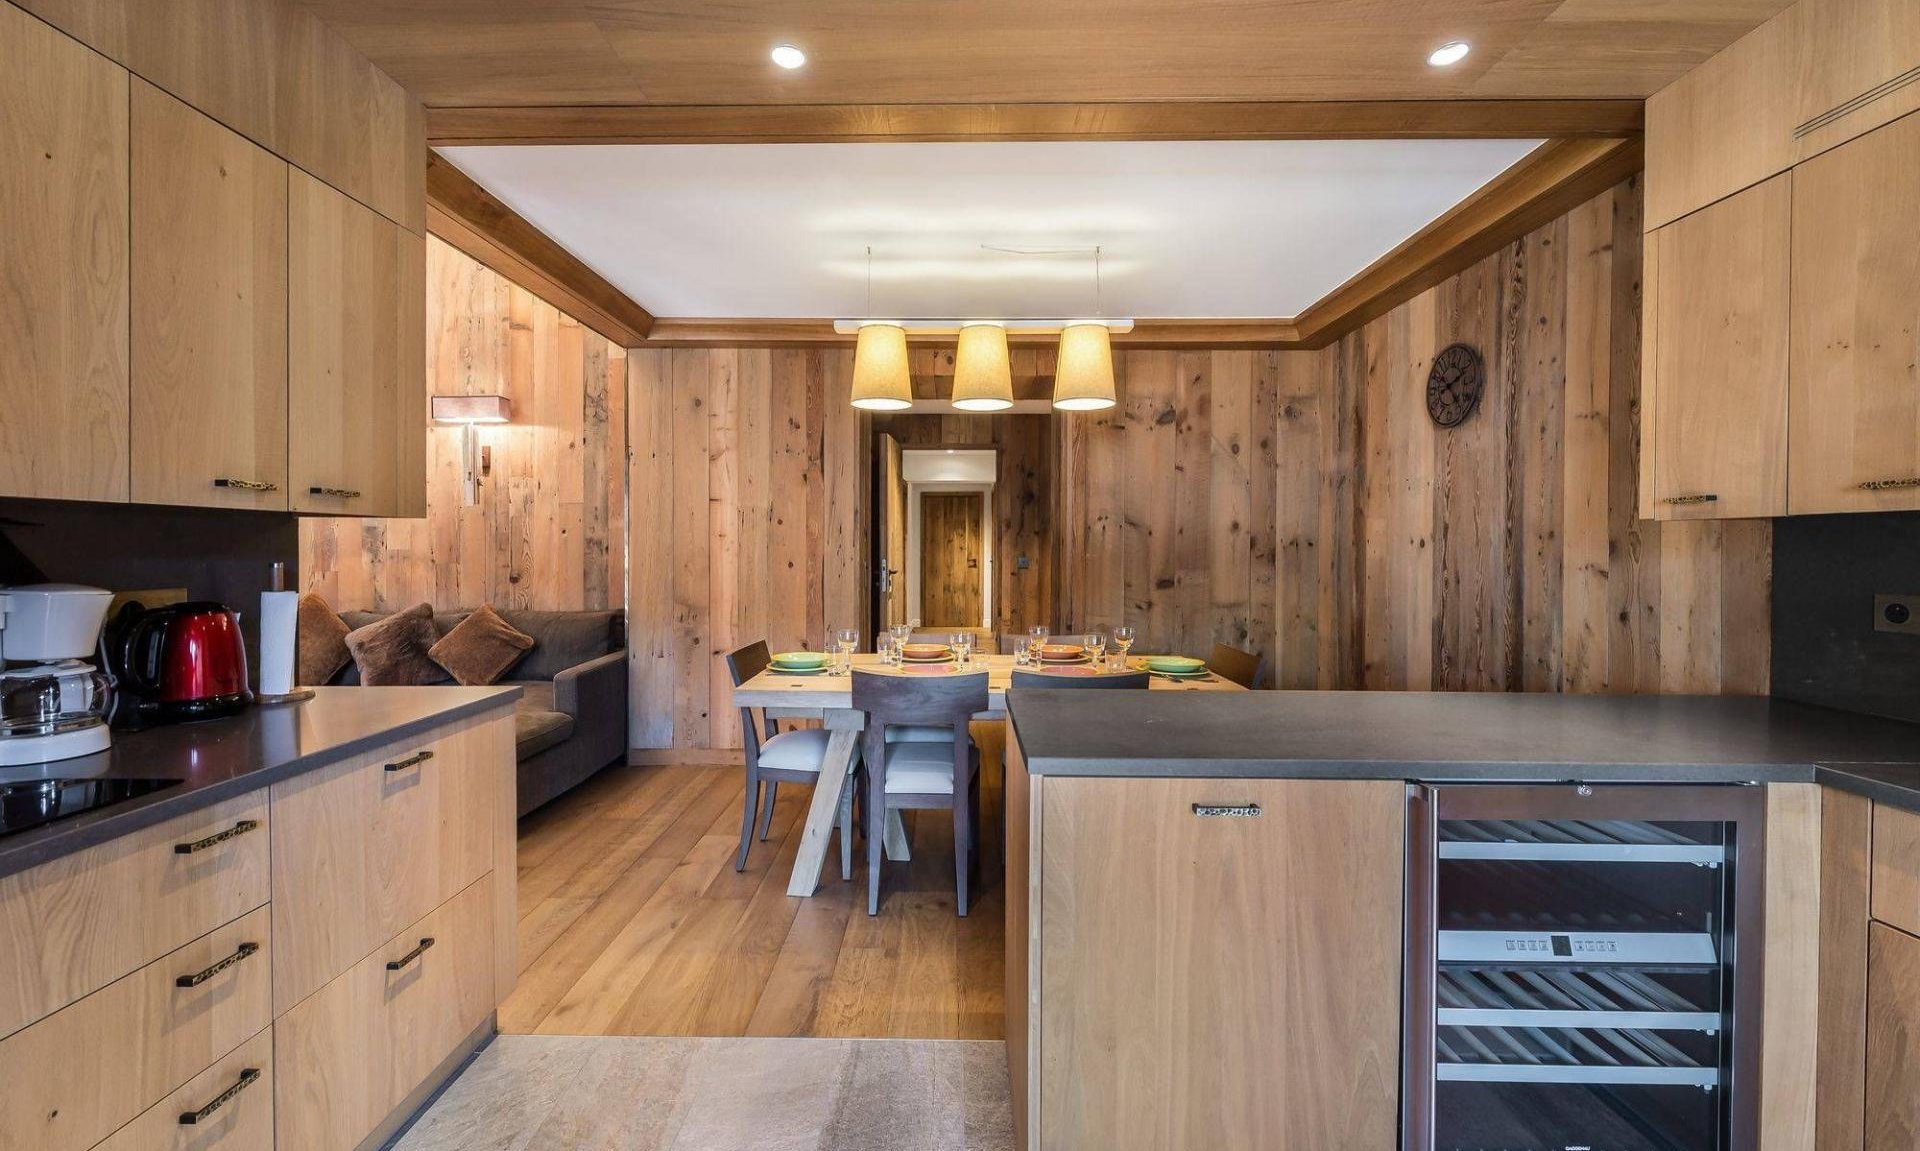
{"x":279,"y":628}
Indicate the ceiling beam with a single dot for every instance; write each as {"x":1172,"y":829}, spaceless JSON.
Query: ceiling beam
{"x":1549,"y":182}
{"x":1164,"y":120}
{"x":683,"y":332}
{"x":473,"y":220}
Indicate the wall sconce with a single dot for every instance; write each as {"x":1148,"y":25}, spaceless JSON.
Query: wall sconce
{"x":469,"y":412}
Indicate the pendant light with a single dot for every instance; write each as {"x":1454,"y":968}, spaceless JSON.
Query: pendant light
{"x":882,"y":381}
{"x":1083,"y":371}
{"x":982,"y":373}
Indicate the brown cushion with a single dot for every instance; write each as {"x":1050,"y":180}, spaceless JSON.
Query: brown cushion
{"x":481,"y":648}
{"x":393,"y":652}
{"x":319,"y":643}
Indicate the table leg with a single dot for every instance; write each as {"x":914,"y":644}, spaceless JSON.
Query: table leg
{"x":823,"y":814}
{"x":895,"y":839}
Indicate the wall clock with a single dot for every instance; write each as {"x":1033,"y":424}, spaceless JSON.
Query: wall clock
{"x":1454,"y":385}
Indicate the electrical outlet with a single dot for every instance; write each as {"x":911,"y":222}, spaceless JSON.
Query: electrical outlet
{"x":1897,"y":613}
{"x":1020,"y":562}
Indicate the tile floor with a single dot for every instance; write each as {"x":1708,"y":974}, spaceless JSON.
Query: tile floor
{"x":600,"y":1093}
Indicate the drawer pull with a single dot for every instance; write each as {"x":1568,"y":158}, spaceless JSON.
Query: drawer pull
{"x":217,"y":838}
{"x":1702,"y":498}
{"x":337,"y":493}
{"x":199,"y":977}
{"x":1890,"y":485}
{"x":414,"y":760}
{"x":245,"y":485}
{"x":1227,"y":810}
{"x":248,"y":1077}
{"x":409,"y":957}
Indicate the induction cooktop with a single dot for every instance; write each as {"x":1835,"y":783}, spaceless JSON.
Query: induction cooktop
{"x":34,"y":803}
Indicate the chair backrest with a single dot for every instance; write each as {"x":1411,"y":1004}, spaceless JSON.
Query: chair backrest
{"x":1051,"y":682}
{"x":1011,"y":642}
{"x":1242,"y":667}
{"x":743,"y":665}
{"x":982,"y":637}
{"x":945,"y":700}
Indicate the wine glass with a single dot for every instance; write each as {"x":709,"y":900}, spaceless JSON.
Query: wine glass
{"x":1122,"y":643}
{"x":1037,"y":639}
{"x":962,"y":644}
{"x":1096,"y":645}
{"x":900,"y":632}
{"x":847,"y":639}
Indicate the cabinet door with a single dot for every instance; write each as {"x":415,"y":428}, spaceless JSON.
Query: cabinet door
{"x":357,"y":398}
{"x":63,"y":259}
{"x":1857,"y":60}
{"x":209,"y":311}
{"x":1856,"y":326}
{"x":1214,"y":978}
{"x":1893,"y":1032}
{"x":1719,"y":432}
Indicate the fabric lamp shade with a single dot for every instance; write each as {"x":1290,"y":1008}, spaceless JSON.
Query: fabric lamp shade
{"x":1083,"y":375}
{"x":982,"y":372}
{"x":881,"y":380}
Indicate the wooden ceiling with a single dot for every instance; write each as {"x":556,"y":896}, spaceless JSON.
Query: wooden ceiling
{"x":519,"y":53}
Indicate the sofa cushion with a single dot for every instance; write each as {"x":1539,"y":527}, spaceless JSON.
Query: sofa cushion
{"x":319,"y":643}
{"x":393,"y":651}
{"x":561,"y":639}
{"x":480,"y":648}
{"x":535,"y":730}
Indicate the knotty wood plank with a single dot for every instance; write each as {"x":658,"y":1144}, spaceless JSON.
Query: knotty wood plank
{"x":1149,"y":555}
{"x":723,"y":539}
{"x":1586,"y":480}
{"x":1230,"y":503}
{"x":651,"y":636}
{"x":692,"y":527}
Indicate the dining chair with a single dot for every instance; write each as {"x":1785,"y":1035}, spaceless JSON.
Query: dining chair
{"x":921,"y":776}
{"x":1052,"y":682}
{"x":774,"y":756}
{"x":924,"y":733}
{"x":1242,"y":667}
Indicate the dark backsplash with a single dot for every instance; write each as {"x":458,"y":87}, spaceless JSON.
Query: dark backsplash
{"x":214,"y":554}
{"x":1826,"y":571}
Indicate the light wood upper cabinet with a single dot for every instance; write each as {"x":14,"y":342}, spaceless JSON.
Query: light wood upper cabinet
{"x":1856,"y":326}
{"x":1717,"y":355}
{"x":63,"y":250}
{"x":1858,"y":67}
{"x":1197,"y":986}
{"x":209,"y":311}
{"x":357,"y":404}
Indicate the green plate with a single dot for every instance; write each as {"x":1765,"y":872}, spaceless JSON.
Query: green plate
{"x":1176,"y":664}
{"x":801,"y":660}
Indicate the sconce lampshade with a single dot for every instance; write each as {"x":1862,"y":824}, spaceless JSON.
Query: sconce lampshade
{"x":982,"y":373}
{"x":1083,"y":374}
{"x":881,"y":381}
{"x":472,"y":409}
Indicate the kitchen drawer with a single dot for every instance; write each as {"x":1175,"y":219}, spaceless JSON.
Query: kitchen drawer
{"x":231,"y":1101}
{"x":70,"y":927}
{"x":78,"y":1075}
{"x":364,"y":848}
{"x":1896,"y":867}
{"x":352,"y":1052}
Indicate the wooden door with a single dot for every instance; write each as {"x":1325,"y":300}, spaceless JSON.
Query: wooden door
{"x":63,"y":266}
{"x":1893,"y":1033}
{"x":357,"y":396}
{"x":890,"y":576}
{"x":1719,"y":434}
{"x":1856,"y":326}
{"x":209,"y":311}
{"x":1216,"y":978}
{"x":952,"y":556}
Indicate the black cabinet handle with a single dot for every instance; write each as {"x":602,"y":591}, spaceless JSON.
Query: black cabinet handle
{"x":248,"y":1078}
{"x":414,"y":760}
{"x":1702,"y":498}
{"x":409,"y":957}
{"x":217,"y":838}
{"x":1890,"y":485}
{"x":337,"y":493}
{"x":1227,"y":810}
{"x":246,"y":485}
{"x":199,"y":977}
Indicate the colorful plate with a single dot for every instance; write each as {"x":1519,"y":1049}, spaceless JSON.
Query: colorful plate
{"x":926,"y":651}
{"x":1062,"y":652}
{"x":801,"y":670}
{"x":1203,"y":673}
{"x":797,"y":660}
{"x":1175,"y":664}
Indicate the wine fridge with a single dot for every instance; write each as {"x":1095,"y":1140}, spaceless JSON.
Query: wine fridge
{"x":1583,"y":968}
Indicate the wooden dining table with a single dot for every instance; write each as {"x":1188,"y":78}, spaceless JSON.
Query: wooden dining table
{"x":827,"y":697}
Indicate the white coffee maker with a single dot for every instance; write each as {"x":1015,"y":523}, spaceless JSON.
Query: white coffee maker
{"x":53,"y":705}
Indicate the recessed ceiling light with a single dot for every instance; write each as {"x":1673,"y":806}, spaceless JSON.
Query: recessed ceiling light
{"x":1447,"y":55}
{"x":789,"y":57}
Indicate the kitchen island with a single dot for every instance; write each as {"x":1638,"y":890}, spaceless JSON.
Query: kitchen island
{"x":1207,"y":904}
{"x":293,"y":943}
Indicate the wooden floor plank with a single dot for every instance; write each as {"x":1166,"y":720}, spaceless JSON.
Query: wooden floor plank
{"x":633,"y":921}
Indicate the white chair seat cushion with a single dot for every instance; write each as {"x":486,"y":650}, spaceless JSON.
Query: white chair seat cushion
{"x":918,"y":733}
{"x":920,"y":769}
{"x":802,"y":750}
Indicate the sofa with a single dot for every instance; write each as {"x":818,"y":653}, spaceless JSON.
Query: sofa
{"x":571,"y":720}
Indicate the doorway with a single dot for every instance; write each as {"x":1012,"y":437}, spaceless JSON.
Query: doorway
{"x":940,"y":536}
{"x":952,"y":549}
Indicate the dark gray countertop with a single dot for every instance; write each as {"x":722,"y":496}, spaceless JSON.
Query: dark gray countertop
{"x":1438,"y":736}
{"x":221,"y":758}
